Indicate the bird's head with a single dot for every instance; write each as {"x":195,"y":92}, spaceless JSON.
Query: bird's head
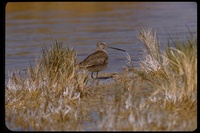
{"x":101,"y":45}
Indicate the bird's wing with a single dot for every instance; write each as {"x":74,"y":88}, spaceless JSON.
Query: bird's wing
{"x":96,"y":58}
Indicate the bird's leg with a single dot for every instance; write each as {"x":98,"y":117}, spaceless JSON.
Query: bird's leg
{"x":92,"y":76}
{"x":97,"y":75}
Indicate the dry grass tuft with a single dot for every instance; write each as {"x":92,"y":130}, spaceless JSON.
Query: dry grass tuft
{"x":45,"y":98}
{"x":164,"y":94}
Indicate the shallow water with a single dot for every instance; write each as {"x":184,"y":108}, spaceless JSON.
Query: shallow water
{"x":82,"y":25}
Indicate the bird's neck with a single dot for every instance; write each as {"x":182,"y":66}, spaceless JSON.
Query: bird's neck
{"x":102,"y":50}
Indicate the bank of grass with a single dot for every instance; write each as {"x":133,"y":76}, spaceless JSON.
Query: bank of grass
{"x":163,"y":95}
{"x":46,"y":96}
{"x":55,"y":95}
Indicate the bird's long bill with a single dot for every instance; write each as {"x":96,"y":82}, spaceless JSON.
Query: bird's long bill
{"x":116,"y":48}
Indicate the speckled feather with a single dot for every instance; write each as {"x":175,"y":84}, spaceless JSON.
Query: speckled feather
{"x":95,"y":59}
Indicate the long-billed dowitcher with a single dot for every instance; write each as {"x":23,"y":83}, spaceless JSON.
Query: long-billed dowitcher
{"x":98,"y":60}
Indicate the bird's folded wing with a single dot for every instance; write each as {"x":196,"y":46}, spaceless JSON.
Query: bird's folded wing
{"x":95,"y":59}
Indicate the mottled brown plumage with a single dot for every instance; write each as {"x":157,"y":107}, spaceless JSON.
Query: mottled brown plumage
{"x":97,"y":61}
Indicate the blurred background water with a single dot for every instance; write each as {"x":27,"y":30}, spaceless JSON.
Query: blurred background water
{"x":82,"y":24}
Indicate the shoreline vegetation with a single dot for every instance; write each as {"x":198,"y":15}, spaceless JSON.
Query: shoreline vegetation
{"x":54,"y":95}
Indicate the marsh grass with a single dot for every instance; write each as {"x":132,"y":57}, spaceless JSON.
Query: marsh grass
{"x":45,"y":98}
{"x":160,"y":95}
{"x":163,"y":95}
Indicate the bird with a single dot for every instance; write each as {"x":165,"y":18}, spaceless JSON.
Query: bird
{"x":98,"y":60}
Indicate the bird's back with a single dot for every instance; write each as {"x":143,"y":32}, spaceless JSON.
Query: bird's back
{"x":97,"y":61}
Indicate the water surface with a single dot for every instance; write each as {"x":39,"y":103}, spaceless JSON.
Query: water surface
{"x":83,"y":24}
